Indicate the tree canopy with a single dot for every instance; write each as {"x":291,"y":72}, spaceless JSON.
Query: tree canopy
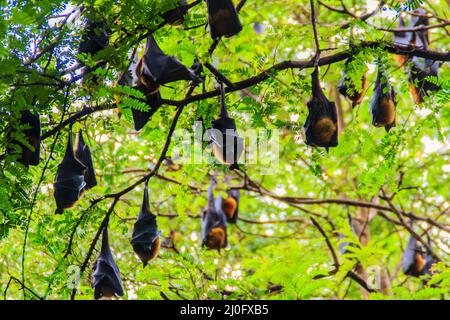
{"x":315,"y":219}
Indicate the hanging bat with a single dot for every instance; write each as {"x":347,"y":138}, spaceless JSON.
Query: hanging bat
{"x":347,"y":88}
{"x":214,"y":224}
{"x":157,"y":68}
{"x":420,"y":18}
{"x":321,"y":126}
{"x":223,"y":18}
{"x":384,"y":103}
{"x":230,"y":205}
{"x":419,"y":70}
{"x":94,"y":38}
{"x":153,"y":100}
{"x":145,"y":239}
{"x":403,"y":39}
{"x":227,"y":146}
{"x":83,"y":154}
{"x":69,"y":181}
{"x":415,"y":262}
{"x":176,"y":16}
{"x":29,"y":154}
{"x":106,"y":280}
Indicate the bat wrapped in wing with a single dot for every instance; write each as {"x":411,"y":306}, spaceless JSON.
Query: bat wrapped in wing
{"x":94,"y":39}
{"x":227,"y":146}
{"x":83,"y":154}
{"x":214,"y":224}
{"x":29,"y":153}
{"x":176,"y":15}
{"x":384,"y":103}
{"x":223,"y":18}
{"x":419,"y":70}
{"x":156,"y":68}
{"x":145,"y":239}
{"x":321,"y":127}
{"x":153,"y":100}
{"x":69,"y":181}
{"x":348,"y":89}
{"x":415,"y":261}
{"x":106,"y":279}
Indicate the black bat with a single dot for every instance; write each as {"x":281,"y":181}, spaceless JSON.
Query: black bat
{"x":69,"y":181}
{"x":418,"y":19}
{"x":106,"y":281}
{"x":214,"y":224}
{"x":94,"y":38}
{"x":153,"y":100}
{"x":321,"y":128}
{"x":415,"y":262}
{"x":223,"y":18}
{"x":384,"y":103}
{"x":347,"y":88}
{"x":227,"y":146}
{"x":145,"y":239}
{"x":31,"y":124}
{"x":157,"y":68}
{"x":83,"y":154}
{"x":230,"y":205}
{"x":401,"y":38}
{"x":420,"y":69}
{"x":176,"y":16}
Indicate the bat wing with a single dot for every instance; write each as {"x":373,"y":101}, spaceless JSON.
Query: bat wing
{"x":69,"y":180}
{"x":176,"y":15}
{"x":83,"y":154}
{"x":409,"y":256}
{"x":163,"y":68}
{"x":106,"y":272}
{"x":94,"y":39}
{"x":140,"y":118}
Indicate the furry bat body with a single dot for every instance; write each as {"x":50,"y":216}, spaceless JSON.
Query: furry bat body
{"x":69,"y":181}
{"x":348,"y":90}
{"x":383,"y":105}
{"x":223,"y":18}
{"x":83,"y":154}
{"x":321,"y":126}
{"x":214,"y":225}
{"x":227,"y":146}
{"x":176,"y":16}
{"x":106,"y":280}
{"x":145,"y":239}
{"x":415,"y":262}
